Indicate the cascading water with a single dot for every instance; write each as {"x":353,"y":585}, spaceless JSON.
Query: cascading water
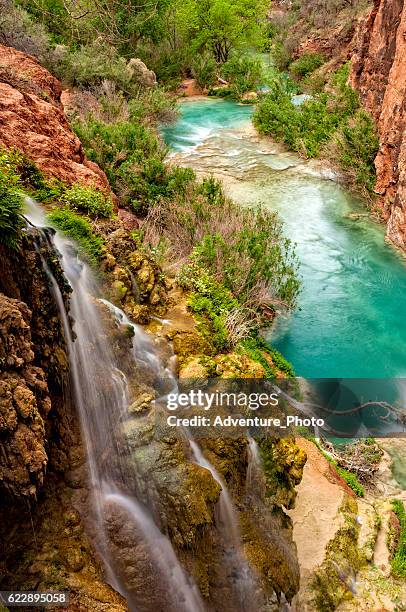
{"x":254,"y":469}
{"x":101,"y":395}
{"x":240,"y":571}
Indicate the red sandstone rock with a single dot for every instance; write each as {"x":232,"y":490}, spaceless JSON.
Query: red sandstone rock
{"x":32,"y":120}
{"x":379,"y":73}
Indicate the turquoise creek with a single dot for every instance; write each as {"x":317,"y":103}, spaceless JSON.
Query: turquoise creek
{"x":349,"y":321}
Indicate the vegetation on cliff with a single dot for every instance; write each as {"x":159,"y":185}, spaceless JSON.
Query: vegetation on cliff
{"x":11,"y":202}
{"x":329,"y":124}
{"x":397,"y":539}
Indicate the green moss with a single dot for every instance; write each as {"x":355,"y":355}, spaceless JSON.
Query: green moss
{"x":211,"y":302}
{"x":80,"y":230}
{"x":334,"y":579}
{"x":349,"y":477}
{"x":255,"y":348}
{"x":398,"y":560}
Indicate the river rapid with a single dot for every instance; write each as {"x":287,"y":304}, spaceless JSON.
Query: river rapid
{"x":349,"y":320}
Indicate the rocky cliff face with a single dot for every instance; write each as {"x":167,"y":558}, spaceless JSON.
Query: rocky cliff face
{"x":379,"y":74}
{"x":32,"y":120}
{"x":43,"y":477}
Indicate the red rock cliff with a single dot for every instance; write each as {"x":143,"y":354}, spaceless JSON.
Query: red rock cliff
{"x":379,"y":73}
{"x":32,"y":120}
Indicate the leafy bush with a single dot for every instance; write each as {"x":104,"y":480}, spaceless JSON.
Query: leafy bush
{"x":11,"y":201}
{"x":328,"y":124}
{"x":18,"y":31}
{"x":204,"y":70}
{"x":243,"y":71}
{"x":88,"y":200}
{"x":131,"y":156}
{"x":398,"y":560}
{"x":80,"y":230}
{"x":89,"y":65}
{"x":358,"y":145}
{"x":239,"y":265}
{"x":306,"y":64}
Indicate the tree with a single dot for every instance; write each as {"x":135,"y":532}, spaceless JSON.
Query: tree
{"x":221,"y":25}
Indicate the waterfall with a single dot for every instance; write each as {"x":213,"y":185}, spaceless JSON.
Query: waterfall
{"x":254,"y":469}
{"x":101,"y":395}
{"x":240,"y":571}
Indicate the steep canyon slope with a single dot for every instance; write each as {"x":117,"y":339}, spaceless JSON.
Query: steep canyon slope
{"x":44,"y":493}
{"x":379,"y":74}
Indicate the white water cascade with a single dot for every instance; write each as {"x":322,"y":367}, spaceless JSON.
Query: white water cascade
{"x":240,"y":571}
{"x":254,"y":469}
{"x":101,"y":396}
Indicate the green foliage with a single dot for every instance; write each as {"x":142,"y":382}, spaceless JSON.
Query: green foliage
{"x":281,"y":56}
{"x":223,"y":25}
{"x":244,"y":72}
{"x":211,"y":302}
{"x":358,"y":145}
{"x":306,"y":64}
{"x":248,"y":256}
{"x":80,"y":230}
{"x":398,"y":560}
{"x":243,"y":249}
{"x":328,"y":124}
{"x":256,"y":346}
{"x":349,"y":477}
{"x":351,"y":480}
{"x":88,"y":200}
{"x":131,"y":156}
{"x":11,"y":200}
{"x":204,"y":70}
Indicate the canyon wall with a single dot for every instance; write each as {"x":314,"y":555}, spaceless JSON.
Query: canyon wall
{"x":379,"y":74}
{"x":32,"y":120}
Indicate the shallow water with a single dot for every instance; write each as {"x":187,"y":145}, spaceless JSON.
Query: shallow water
{"x":349,"y":321}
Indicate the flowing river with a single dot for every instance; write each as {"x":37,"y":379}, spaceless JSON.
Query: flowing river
{"x":349,"y":321}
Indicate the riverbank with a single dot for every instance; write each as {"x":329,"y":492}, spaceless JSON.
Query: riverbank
{"x":353,"y":283}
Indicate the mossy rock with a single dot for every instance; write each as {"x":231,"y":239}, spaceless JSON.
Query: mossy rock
{"x":283,"y":463}
{"x":187,"y":344}
{"x":193,"y":369}
{"x":235,"y":365}
{"x":334,"y":580}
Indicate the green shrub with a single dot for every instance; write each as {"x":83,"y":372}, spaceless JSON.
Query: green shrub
{"x":133,"y":159}
{"x":204,"y":70}
{"x":88,"y":200}
{"x":242,"y":248}
{"x":328,"y":124}
{"x":211,"y":302}
{"x":80,"y":230}
{"x":306,"y":64}
{"x":244,"y":73}
{"x":256,"y":346}
{"x":241,"y":260}
{"x":358,"y":145}
{"x":398,"y":560}
{"x":280,"y":55}
{"x":11,"y":200}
